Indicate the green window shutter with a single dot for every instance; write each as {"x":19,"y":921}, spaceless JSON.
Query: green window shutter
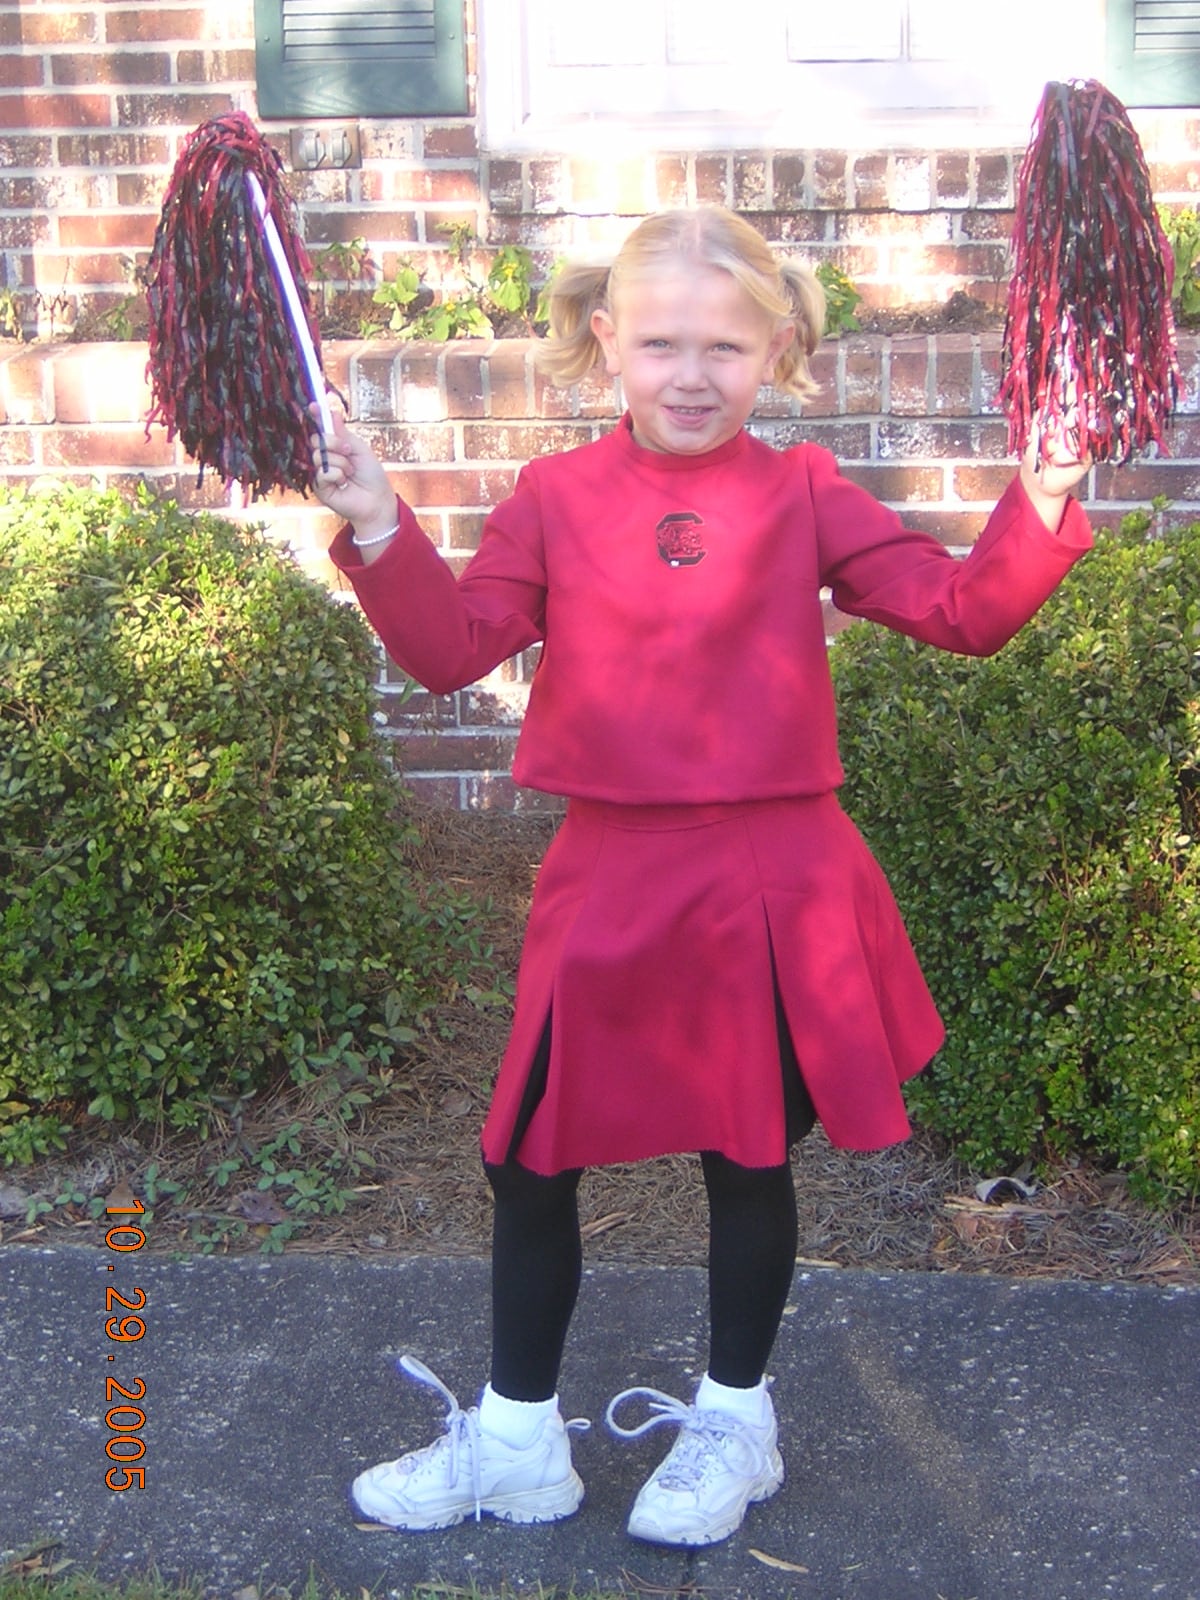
{"x":338,"y":58}
{"x":1154,"y":52}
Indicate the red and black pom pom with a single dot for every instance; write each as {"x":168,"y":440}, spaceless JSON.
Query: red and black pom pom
{"x":225,"y":372}
{"x":1089,"y":338}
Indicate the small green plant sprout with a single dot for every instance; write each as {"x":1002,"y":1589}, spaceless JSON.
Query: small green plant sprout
{"x":841,"y":300}
{"x":460,"y":318}
{"x":343,"y":261}
{"x":510,"y":279}
{"x":399,"y":293}
{"x":1182,"y":228}
{"x":10,"y":315}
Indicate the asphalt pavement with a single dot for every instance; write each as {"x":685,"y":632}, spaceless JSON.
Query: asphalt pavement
{"x":947,"y":1437}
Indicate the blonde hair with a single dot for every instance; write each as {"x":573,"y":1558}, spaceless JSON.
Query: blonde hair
{"x":786,"y":290}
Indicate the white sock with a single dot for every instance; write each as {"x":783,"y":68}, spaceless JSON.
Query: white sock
{"x":513,"y":1421}
{"x":747,"y":1405}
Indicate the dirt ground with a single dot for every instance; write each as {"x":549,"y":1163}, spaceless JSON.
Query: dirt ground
{"x":910,"y":1207}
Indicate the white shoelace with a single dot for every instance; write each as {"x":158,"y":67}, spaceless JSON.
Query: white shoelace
{"x":462,"y":1427}
{"x":703,"y":1432}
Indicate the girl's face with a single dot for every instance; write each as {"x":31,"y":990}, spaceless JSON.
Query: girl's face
{"x":691,"y":349}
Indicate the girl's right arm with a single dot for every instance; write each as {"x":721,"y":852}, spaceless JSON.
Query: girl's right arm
{"x":444,"y":631}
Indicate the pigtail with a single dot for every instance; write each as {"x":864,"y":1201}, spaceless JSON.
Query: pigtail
{"x":793,"y":374}
{"x":571,"y":349}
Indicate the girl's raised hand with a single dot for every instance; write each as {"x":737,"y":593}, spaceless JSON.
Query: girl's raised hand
{"x":1051,"y":467}
{"x":350,"y":479}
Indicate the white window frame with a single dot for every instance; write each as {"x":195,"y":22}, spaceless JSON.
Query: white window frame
{"x":848,"y":98}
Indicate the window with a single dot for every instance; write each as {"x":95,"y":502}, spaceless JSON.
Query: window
{"x":1154,"y":52}
{"x":685,"y":74}
{"x":337,"y":58}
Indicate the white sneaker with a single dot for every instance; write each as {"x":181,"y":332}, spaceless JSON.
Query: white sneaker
{"x":715,"y":1469}
{"x":467,"y":1472}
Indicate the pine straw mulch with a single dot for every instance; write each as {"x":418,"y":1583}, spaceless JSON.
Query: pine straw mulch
{"x":910,"y":1207}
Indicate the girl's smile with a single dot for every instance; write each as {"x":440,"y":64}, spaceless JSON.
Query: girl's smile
{"x":691,"y":348}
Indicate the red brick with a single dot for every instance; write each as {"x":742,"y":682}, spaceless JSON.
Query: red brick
{"x":214,"y":66}
{"x":109,"y":150}
{"x":16,"y":444}
{"x":952,"y":178}
{"x":436,"y":223}
{"x":505,"y":184}
{"x":154,"y":25}
{"x":849,"y":441}
{"x":58,"y":111}
{"x":372,"y":392}
{"x":107,"y":229}
{"x":112,"y":446}
{"x":21,"y":194}
{"x":951,"y":527}
{"x":829,"y":180}
{"x":25,"y":151}
{"x":954,"y":375}
{"x":416,"y":446}
{"x":135,"y":67}
{"x":993,"y":180}
{"x":62,"y":266}
{"x":451,"y":487}
{"x":442,"y":141}
{"x":869,"y":182}
{"x":908,"y":370}
{"x":548,"y":184}
{"x":444,"y":793}
{"x":464,"y":381}
{"x":521,"y":442}
{"x":750,"y":183}
{"x":21,"y":72}
{"x":465,"y":529}
{"x":791,"y":180}
{"x":26,"y":382}
{"x":864,"y":375}
{"x":341,"y":227}
{"x":670,"y":181}
{"x":924,"y":437}
{"x":437,"y":184}
{"x":1143,"y":480}
{"x":712,"y":181}
{"x":793,"y":227}
{"x":995,"y":225}
{"x":986,"y":483}
{"x":417,"y":384}
{"x":101,"y":383}
{"x":899,"y":484}
{"x":911,"y":188}
{"x":508,"y":378}
{"x":491,"y":792}
{"x":456,"y":751}
{"x":37,"y":26}
{"x":179,"y":110}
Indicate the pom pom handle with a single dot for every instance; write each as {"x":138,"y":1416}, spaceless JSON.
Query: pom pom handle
{"x":316,"y":378}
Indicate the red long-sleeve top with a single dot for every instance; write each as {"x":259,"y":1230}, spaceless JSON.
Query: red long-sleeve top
{"x":678,"y":601}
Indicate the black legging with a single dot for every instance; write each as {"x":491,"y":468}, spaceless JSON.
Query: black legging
{"x":537,"y":1264}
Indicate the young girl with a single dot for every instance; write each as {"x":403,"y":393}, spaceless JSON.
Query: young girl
{"x":713,"y":958}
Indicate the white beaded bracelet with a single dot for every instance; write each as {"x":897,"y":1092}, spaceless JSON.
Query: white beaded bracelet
{"x":379,"y":538}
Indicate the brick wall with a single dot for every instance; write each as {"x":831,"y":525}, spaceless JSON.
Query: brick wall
{"x":95,"y":100}
{"x":914,"y":419}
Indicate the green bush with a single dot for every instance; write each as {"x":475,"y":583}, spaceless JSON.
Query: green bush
{"x":1038,"y":816}
{"x":202,"y":878}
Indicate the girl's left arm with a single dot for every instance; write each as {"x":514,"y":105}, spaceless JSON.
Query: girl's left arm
{"x":908,"y":580}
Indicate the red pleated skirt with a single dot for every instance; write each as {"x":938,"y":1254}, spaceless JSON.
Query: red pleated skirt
{"x":660,"y":941}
